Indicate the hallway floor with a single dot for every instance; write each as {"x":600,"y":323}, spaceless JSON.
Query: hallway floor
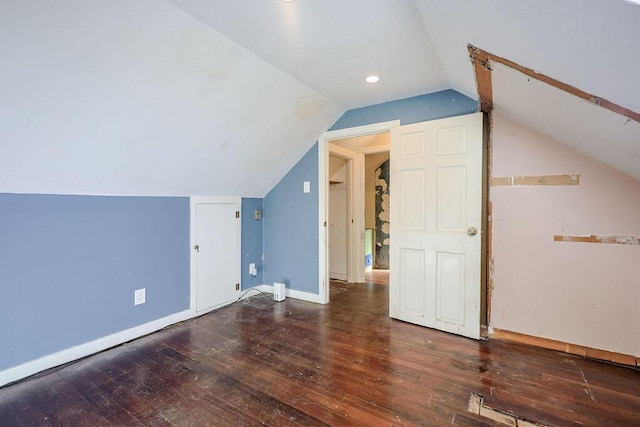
{"x":379,"y":277}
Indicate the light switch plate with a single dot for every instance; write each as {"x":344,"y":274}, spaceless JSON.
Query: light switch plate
{"x":307,"y":187}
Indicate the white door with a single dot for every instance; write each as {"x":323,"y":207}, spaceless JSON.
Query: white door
{"x":436,"y":218}
{"x":217,"y":252}
{"x":338,"y":231}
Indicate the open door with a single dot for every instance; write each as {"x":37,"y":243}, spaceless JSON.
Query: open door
{"x":436,"y":219}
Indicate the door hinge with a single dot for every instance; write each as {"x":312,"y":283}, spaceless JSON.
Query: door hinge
{"x":237,"y":214}
{"x":237,"y":286}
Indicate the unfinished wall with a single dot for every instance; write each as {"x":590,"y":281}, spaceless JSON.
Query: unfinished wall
{"x":575,"y":292}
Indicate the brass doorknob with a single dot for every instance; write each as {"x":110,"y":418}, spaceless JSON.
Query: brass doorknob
{"x":472,"y":231}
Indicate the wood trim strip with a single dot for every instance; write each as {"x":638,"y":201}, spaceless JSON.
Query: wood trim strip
{"x":482,"y":70}
{"x":591,"y":353}
{"x":480,"y":56}
{"x":512,"y":181}
{"x":611,"y":240}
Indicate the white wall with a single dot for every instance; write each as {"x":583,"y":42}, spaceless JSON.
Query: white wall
{"x":580,"y":293}
{"x":140,"y":98}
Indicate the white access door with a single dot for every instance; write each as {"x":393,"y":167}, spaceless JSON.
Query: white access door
{"x":217,"y":253}
{"x":436,"y":219}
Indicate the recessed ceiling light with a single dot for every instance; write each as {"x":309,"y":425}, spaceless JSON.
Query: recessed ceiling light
{"x":372,"y":79}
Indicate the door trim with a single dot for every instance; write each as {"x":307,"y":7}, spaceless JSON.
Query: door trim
{"x":193,"y":201}
{"x":323,"y":194}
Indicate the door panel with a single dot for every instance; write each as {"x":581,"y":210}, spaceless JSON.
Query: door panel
{"x":218,"y":254}
{"x":412,"y":199}
{"x":436,"y":195}
{"x":451,"y":206}
{"x":450,"y":287}
{"x":412,"y":282}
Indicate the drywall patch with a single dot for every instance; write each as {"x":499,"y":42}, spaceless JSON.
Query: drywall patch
{"x":477,"y":406}
{"x":514,"y":181}
{"x":307,"y":107}
{"x":611,"y":240}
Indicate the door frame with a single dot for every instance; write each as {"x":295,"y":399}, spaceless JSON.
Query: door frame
{"x":357,"y":205}
{"x":193,"y":201}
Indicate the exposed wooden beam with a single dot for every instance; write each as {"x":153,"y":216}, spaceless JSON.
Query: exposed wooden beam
{"x":482,"y":59}
{"x":482,"y":70}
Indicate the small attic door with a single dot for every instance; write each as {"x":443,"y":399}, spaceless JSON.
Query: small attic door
{"x":215,"y":252}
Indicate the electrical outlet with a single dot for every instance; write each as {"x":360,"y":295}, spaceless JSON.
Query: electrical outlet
{"x":253,"y":271}
{"x":139,"y":296}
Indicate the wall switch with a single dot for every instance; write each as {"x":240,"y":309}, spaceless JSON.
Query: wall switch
{"x":139,"y":296}
{"x":257,"y":214}
{"x":307,"y":187}
{"x":252,"y":269}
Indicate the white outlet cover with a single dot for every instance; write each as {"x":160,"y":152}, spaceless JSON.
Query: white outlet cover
{"x":307,"y":186}
{"x":139,"y":296}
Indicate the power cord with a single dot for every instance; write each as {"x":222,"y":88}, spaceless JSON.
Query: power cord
{"x":248,"y":300}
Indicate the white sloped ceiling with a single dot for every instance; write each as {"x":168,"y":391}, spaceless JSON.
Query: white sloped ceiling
{"x":212,"y":97}
{"x":140,"y":98}
{"x":589,"y":44}
{"x":332,"y":45}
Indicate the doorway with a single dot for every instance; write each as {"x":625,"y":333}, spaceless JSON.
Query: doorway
{"x":377,"y":232}
{"x":436,"y":264}
{"x":347,"y":143}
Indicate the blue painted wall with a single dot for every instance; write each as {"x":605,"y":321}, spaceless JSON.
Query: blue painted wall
{"x":291,"y":217}
{"x":432,"y":106}
{"x":291,"y":228}
{"x":251,"y":243}
{"x":69,"y":266}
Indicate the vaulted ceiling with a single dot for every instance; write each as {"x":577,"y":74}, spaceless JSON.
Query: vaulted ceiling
{"x":215,"y":97}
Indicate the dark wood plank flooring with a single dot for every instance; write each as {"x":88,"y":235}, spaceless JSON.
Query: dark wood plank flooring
{"x":297,"y":363}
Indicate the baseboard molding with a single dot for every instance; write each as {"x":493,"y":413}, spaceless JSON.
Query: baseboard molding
{"x":71,"y":354}
{"x":580,"y":350}
{"x":338,"y":276}
{"x":292,"y":293}
{"x":77,"y":352}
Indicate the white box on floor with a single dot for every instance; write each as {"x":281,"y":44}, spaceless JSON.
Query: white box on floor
{"x":279,"y":291}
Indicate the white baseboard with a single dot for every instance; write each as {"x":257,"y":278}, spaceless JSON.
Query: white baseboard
{"x":77,"y":352}
{"x":338,"y":276}
{"x":292,"y":293}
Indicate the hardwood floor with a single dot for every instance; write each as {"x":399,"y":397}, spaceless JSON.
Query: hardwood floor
{"x":379,"y":277}
{"x":297,"y":363}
